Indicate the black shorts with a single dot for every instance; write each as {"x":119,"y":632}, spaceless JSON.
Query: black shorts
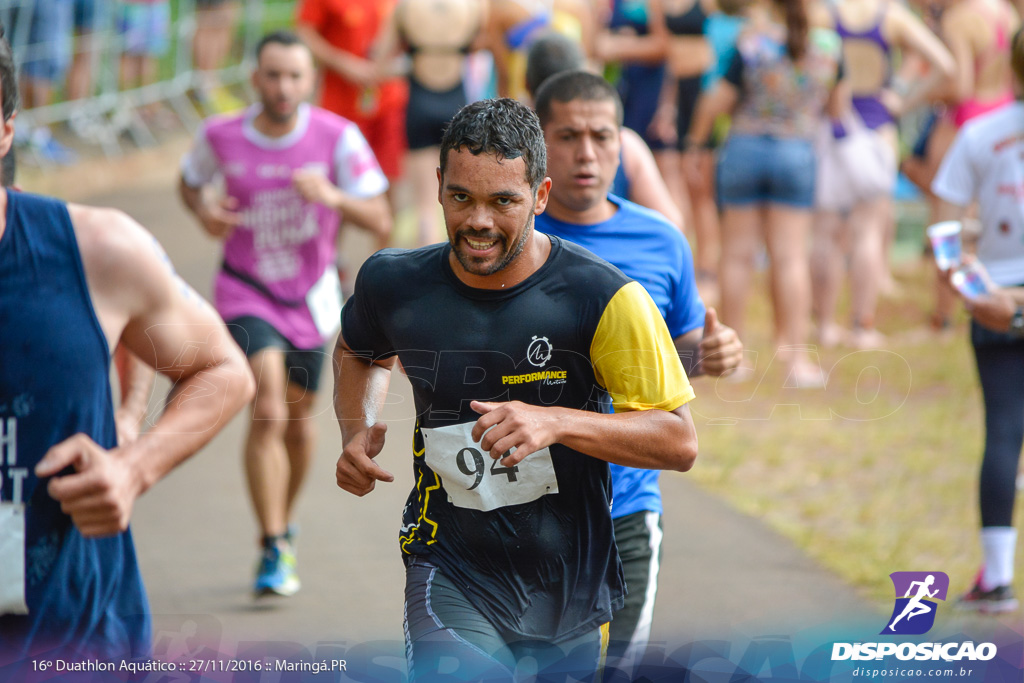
{"x":686,"y":105}
{"x":254,"y":334}
{"x":428,"y":113}
{"x":442,"y":626}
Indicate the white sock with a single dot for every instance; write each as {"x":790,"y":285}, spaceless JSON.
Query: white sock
{"x":998,"y":544}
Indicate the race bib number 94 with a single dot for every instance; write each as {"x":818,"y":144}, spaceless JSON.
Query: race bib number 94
{"x":476,"y":481}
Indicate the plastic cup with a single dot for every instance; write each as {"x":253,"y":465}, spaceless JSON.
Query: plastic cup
{"x":945,"y":239}
{"x":972,"y":280}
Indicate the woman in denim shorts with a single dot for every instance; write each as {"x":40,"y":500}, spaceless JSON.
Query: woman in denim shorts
{"x":780,"y":79}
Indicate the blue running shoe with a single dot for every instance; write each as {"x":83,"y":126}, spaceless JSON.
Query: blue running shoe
{"x":276,"y":574}
{"x":49,"y":150}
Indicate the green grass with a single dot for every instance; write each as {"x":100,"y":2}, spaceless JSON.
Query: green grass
{"x":873,"y":474}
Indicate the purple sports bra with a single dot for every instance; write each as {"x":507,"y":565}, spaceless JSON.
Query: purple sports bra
{"x":870,"y":107}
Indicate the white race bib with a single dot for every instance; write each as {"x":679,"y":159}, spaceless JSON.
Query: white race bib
{"x":12,"y":566}
{"x":476,"y":481}
{"x":324,"y":302}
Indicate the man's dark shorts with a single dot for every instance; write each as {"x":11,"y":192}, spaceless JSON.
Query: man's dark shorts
{"x":254,"y":334}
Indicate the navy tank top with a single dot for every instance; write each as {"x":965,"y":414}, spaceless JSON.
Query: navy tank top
{"x":688,"y":23}
{"x":83,"y":596}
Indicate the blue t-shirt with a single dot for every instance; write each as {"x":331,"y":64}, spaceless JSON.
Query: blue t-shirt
{"x":647,"y":248}
{"x":721,"y":31}
{"x":620,"y":184}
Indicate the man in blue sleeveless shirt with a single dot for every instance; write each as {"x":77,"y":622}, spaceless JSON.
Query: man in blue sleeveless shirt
{"x":581,"y":115}
{"x":76,"y":280}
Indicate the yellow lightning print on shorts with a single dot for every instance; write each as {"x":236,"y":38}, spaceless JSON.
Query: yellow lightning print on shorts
{"x":425,"y":495}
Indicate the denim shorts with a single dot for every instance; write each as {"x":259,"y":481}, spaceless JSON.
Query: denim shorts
{"x":47,"y":54}
{"x":145,"y":28}
{"x":761,"y":169}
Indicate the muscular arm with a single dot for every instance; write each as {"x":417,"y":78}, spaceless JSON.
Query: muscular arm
{"x":160,"y":319}
{"x":359,"y":390}
{"x":646,"y":439}
{"x":136,"y":379}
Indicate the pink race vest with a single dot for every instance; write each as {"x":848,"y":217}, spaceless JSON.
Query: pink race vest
{"x":285,"y":243}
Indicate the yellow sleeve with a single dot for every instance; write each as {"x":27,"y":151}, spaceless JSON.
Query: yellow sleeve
{"x":634,"y":357}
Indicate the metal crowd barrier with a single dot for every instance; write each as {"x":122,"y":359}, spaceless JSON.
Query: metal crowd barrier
{"x":112,"y":113}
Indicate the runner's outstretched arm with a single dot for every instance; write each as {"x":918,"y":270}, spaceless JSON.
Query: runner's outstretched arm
{"x":359,"y":390}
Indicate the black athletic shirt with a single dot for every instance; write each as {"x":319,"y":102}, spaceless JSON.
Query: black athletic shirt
{"x":533,"y":548}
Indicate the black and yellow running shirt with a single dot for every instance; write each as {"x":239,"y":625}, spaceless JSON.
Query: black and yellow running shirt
{"x":532,"y":545}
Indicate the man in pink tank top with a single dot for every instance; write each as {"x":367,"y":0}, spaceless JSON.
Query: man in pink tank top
{"x":290,"y":172}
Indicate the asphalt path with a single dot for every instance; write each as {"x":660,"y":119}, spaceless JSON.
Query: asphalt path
{"x":723,"y":573}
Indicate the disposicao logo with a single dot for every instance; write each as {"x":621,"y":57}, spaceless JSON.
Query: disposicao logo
{"x":914,"y":612}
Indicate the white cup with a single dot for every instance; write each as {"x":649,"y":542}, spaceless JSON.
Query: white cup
{"x":972,"y":280}
{"x":945,"y":240}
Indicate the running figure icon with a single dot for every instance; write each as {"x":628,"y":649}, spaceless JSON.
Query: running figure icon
{"x":916,"y":606}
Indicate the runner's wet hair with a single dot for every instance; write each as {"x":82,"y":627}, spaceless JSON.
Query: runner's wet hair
{"x":570,"y":86}
{"x":503,"y":127}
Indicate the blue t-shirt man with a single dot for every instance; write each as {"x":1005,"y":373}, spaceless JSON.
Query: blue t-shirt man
{"x":647,"y":248}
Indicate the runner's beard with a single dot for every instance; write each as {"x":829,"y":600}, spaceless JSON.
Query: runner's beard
{"x":271,"y":112}
{"x":482,"y":267}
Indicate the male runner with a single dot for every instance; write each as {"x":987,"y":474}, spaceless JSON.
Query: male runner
{"x":512,"y":341}
{"x":76,"y":280}
{"x":581,"y":115}
{"x":290,"y":171}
